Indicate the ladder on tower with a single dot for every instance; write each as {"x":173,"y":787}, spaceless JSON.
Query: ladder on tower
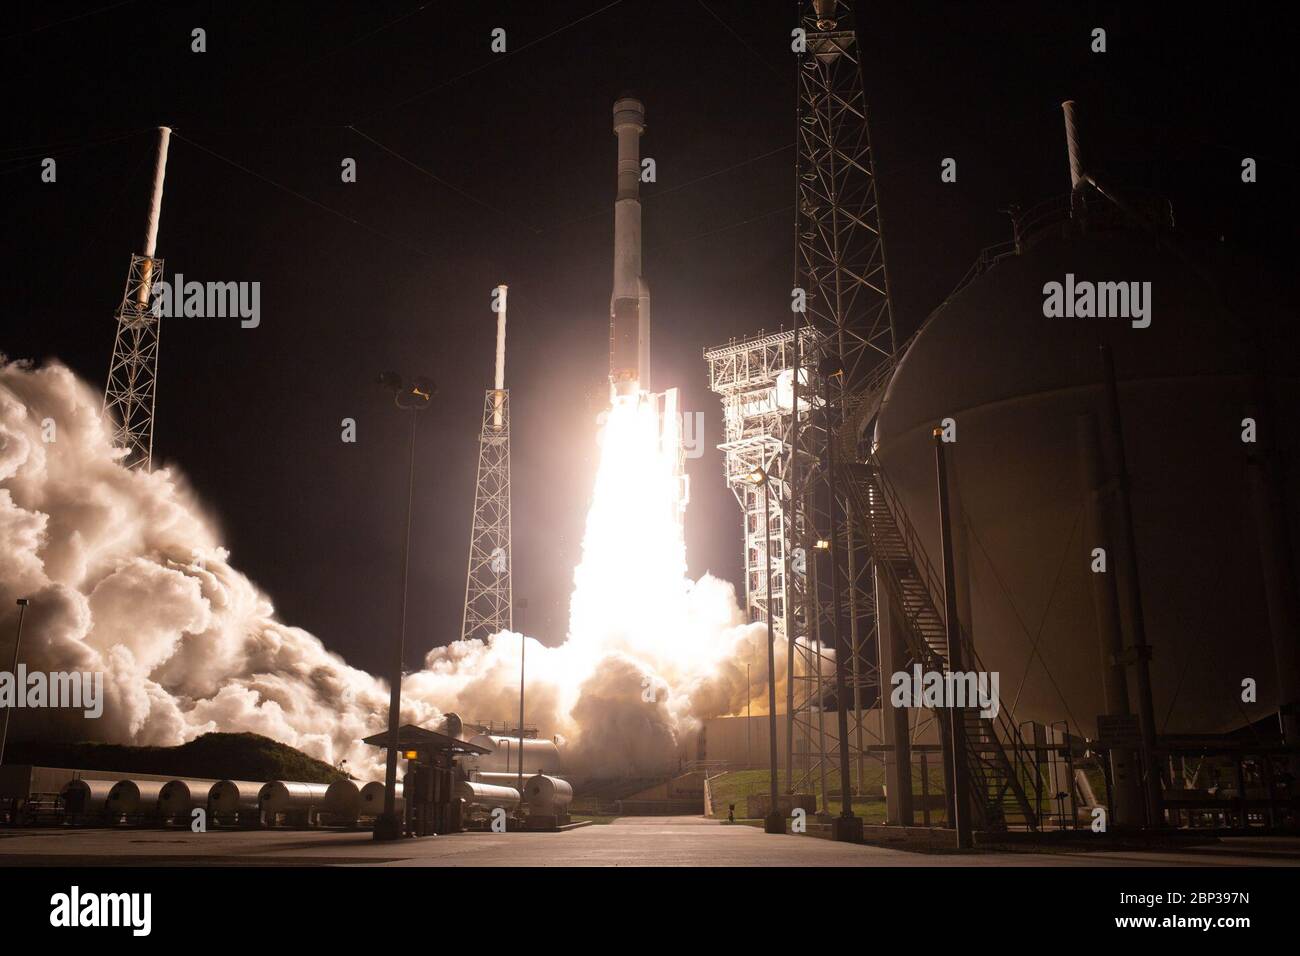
{"x":1000,"y":765}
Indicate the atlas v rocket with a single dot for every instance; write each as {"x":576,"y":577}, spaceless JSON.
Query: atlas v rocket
{"x":629,"y":305}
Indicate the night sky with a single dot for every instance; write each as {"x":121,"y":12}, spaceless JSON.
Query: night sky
{"x":500,"y":168}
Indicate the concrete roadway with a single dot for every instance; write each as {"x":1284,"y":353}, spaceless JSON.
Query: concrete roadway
{"x":631,"y":841}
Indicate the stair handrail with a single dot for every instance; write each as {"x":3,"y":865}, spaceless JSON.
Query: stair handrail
{"x":1004,"y":721}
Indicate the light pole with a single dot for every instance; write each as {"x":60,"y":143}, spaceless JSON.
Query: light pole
{"x":413,"y":397}
{"x":13,"y":669}
{"x":846,"y":827}
{"x":775,"y":820}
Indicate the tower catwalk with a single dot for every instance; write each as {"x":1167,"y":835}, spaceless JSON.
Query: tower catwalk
{"x":129,"y":393}
{"x":488,"y":604}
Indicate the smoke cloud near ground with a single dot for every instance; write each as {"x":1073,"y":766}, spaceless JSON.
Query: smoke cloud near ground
{"x":127,"y":575}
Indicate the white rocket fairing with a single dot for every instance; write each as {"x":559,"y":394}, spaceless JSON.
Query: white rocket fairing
{"x":629,"y":305}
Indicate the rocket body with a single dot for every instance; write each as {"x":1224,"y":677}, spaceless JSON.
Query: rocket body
{"x":629,"y":305}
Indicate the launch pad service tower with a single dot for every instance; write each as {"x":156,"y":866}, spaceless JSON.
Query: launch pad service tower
{"x":629,"y":305}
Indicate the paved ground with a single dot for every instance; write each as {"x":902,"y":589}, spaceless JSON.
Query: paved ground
{"x":634,"y":841}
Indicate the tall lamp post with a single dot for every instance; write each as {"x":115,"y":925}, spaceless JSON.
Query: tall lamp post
{"x":13,"y":669}
{"x":774,"y":822}
{"x":414,"y":398}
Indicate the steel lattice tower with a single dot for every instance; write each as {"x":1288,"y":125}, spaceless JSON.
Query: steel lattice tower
{"x":488,"y":603}
{"x":840,"y":264}
{"x":129,"y":394}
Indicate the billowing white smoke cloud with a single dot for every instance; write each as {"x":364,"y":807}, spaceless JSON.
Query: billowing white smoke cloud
{"x":126,"y":576}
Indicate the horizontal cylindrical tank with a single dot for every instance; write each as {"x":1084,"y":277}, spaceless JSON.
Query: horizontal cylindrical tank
{"x":228,"y":797}
{"x":486,"y":795}
{"x":179,"y":797}
{"x":343,"y":801}
{"x":547,"y":794}
{"x":134,"y":796}
{"x":372,"y":798}
{"x":540,"y":755}
{"x":281,"y":796}
{"x":82,"y":798}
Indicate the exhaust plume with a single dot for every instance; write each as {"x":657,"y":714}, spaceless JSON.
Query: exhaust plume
{"x":128,"y":576}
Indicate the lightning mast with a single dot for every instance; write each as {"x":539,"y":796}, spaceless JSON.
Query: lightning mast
{"x":129,"y":394}
{"x":488,"y":604}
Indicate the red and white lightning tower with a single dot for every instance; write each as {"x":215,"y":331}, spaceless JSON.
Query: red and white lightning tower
{"x":488,"y":603}
{"x":129,"y":394}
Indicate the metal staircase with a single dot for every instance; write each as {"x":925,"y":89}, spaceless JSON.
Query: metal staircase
{"x":1000,"y":765}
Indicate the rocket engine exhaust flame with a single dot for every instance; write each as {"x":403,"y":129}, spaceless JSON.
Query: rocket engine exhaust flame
{"x":127,"y":576}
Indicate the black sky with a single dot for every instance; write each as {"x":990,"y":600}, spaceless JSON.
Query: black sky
{"x":517,"y":187}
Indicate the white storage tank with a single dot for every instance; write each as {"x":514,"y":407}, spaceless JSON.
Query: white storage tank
{"x":282,"y":796}
{"x":485,"y":795}
{"x":134,"y":798}
{"x":547,"y":795}
{"x":85,"y":799}
{"x":342,"y":802}
{"x":178,"y":797}
{"x":228,"y":798}
{"x":372,"y":799}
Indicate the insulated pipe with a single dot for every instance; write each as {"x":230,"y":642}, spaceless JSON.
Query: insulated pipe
{"x":1131,"y":598}
{"x":1128,"y":808}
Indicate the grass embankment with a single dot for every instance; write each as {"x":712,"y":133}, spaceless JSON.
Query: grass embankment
{"x":212,"y":757}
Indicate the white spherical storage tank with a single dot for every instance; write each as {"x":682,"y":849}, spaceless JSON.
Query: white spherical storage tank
{"x":1015,"y":381}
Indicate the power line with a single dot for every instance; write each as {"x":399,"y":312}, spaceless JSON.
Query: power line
{"x":59,"y":23}
{"x":442,"y":182}
{"x":496,"y":58}
{"x":727,"y":26}
{"x":307,"y":199}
